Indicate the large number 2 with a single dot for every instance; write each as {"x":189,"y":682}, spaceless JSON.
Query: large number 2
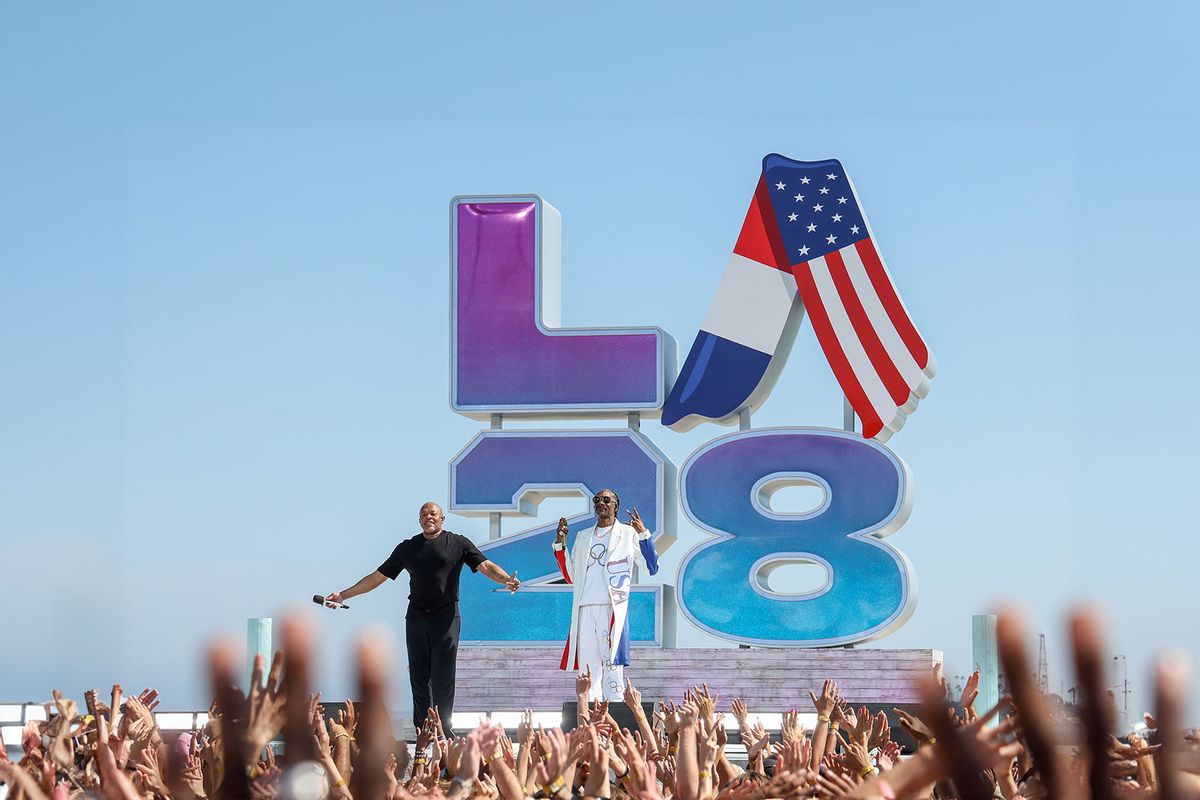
{"x":723,"y":586}
{"x":512,"y":472}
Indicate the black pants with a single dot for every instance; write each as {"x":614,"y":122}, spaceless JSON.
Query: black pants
{"x":432,"y":657}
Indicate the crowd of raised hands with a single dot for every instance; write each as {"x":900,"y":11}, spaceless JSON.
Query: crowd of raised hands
{"x":115,"y":750}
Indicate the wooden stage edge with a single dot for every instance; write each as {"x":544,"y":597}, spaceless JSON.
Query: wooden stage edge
{"x":768,"y":679}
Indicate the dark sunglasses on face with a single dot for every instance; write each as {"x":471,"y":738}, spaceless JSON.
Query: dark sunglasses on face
{"x":600,"y":499}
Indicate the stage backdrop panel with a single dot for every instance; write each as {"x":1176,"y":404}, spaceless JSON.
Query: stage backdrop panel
{"x":769,"y":680}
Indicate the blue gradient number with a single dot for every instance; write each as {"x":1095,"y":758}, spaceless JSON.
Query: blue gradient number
{"x":869,"y":590}
{"x":511,"y":472}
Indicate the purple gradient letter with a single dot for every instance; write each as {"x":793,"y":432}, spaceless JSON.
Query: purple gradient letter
{"x":508,"y":352}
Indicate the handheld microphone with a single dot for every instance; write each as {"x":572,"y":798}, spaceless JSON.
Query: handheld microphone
{"x":319,"y":600}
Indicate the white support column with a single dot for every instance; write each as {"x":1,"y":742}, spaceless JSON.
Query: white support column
{"x":258,"y":640}
{"x":986,"y":658}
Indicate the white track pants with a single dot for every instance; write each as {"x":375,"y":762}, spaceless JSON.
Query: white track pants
{"x":594,"y":650}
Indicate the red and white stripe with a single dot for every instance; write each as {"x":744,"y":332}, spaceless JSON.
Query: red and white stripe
{"x":877,"y":355}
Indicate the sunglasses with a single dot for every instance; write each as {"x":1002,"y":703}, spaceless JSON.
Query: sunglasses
{"x":602,"y":500}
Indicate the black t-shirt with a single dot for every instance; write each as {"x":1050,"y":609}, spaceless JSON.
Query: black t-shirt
{"x":433,"y":568}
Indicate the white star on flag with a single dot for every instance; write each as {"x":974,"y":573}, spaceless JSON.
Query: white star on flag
{"x":781,"y":185}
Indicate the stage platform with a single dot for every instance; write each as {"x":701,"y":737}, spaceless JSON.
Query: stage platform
{"x":496,"y":679}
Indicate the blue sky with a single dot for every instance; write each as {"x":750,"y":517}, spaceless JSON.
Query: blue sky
{"x":223,"y":289}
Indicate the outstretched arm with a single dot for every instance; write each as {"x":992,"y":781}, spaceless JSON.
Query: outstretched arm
{"x":372,"y":581}
{"x":497,"y":573}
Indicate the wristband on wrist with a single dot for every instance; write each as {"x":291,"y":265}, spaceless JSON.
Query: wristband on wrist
{"x":554,"y":787}
{"x":822,"y":718}
{"x":867,"y":770}
{"x":835,"y":726}
{"x":932,"y":740}
{"x":705,"y":774}
{"x":341,"y":782}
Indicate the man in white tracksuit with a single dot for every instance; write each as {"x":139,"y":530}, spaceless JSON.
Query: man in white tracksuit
{"x":601,"y":569}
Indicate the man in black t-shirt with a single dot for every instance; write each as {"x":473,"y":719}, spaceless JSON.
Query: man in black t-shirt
{"x":434,"y":559}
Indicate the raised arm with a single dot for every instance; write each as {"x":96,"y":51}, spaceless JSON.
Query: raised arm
{"x":649,"y":556}
{"x":372,"y":581}
{"x":560,"y":550}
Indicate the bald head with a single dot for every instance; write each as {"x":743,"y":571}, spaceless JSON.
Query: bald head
{"x":431,"y":519}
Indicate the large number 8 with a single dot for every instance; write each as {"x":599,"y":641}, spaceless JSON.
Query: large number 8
{"x":869,"y":590}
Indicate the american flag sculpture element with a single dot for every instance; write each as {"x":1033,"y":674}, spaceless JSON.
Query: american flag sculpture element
{"x":805,"y":244}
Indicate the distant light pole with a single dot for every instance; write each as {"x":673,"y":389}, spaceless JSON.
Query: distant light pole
{"x":1124,"y":687}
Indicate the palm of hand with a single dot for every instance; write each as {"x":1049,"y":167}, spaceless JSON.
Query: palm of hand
{"x":348,"y":718}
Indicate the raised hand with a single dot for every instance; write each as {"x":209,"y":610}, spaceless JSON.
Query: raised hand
{"x":858,"y":759}
{"x":60,"y":747}
{"x":706,"y":703}
{"x":740,"y":713}
{"x":862,"y":725}
{"x":789,"y":730}
{"x":636,"y":521}
{"x":598,"y":713}
{"x":785,"y":784}
{"x":583,"y":683}
{"x":941,"y":679}
{"x":881,"y":732}
{"x":633,"y":698}
{"x":688,"y":715}
{"x":265,"y":705}
{"x":525,"y":727}
{"x":149,"y":775}
{"x":969,"y":693}
{"x":555,"y":757}
{"x":828,"y":699}
{"x":189,"y":783}
{"x":913,"y":726}
{"x":112,"y":777}
{"x":759,"y":739}
{"x":560,"y":535}
{"x":843,"y":714}
{"x":149,"y":698}
{"x":472,"y":754}
{"x":348,"y":718}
